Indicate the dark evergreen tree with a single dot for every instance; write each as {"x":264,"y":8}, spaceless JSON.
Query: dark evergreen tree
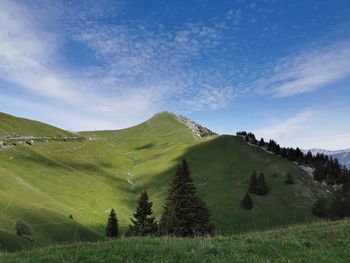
{"x":262,"y":142}
{"x":308,"y":158}
{"x":261,"y":186}
{"x":143,"y":223}
{"x":247,"y":202}
{"x":253,"y":183}
{"x":284,"y":152}
{"x":112,"y":225}
{"x":319,"y":208}
{"x":185,"y":214}
{"x":338,"y":209}
{"x":319,"y":174}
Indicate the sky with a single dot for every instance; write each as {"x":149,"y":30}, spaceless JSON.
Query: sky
{"x":280,"y":69}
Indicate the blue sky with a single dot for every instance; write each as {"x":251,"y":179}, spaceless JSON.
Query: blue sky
{"x":278,"y":68}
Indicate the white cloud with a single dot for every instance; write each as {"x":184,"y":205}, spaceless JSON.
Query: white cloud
{"x":308,"y":71}
{"x":142,"y":68}
{"x":282,"y":128}
{"x":209,"y":97}
{"x":30,"y":59}
{"x":310,"y":128}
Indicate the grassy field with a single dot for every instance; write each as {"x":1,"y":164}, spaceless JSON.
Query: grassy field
{"x":10,"y":126}
{"x":44,"y":183}
{"x":321,"y":242}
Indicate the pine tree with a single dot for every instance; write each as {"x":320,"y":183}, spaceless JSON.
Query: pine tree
{"x":185,"y":214}
{"x":262,"y":142}
{"x":143,"y":223}
{"x":247,"y":202}
{"x":261,"y":186}
{"x":319,"y":208}
{"x":112,"y":225}
{"x":253,"y":183}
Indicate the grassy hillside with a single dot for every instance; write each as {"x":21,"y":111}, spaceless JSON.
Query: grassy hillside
{"x":44,"y":183}
{"x":325,"y":242}
{"x":13,"y":126}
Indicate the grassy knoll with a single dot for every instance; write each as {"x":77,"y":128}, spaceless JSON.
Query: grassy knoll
{"x":320,"y":242}
{"x":10,"y":126}
{"x":44,"y":183}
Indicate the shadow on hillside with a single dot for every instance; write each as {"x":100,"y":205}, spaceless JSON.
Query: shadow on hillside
{"x":220,"y":169}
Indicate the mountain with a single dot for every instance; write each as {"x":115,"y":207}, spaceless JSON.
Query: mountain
{"x":45,"y":182}
{"x":343,"y":156}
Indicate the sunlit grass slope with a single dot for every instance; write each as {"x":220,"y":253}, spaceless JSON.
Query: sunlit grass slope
{"x":10,"y":126}
{"x":44,"y":183}
{"x":322,"y":242}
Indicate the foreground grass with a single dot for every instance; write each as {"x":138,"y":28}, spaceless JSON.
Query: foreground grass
{"x":319,"y":242}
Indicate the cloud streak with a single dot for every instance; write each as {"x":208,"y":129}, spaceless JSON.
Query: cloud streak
{"x":308,"y":71}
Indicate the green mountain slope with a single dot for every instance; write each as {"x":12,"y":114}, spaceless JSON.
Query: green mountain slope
{"x":48,"y":181}
{"x":326,"y":242}
{"x":11,"y":126}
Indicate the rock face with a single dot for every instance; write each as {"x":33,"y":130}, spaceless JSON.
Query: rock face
{"x":196,"y":128}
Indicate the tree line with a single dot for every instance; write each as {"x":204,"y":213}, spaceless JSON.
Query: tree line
{"x":327,"y":170}
{"x":185,"y":213}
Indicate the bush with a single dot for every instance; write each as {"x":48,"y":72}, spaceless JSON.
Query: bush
{"x":247,"y":202}
{"x":22,"y":228}
{"x":319,"y":207}
{"x":261,"y":187}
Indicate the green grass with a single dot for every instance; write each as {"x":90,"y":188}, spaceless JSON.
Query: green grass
{"x":321,"y":242}
{"x":45,"y":183}
{"x":10,"y":126}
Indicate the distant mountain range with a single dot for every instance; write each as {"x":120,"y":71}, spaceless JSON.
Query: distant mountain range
{"x":343,"y":156}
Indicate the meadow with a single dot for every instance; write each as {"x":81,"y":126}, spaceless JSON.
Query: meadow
{"x":317,"y":242}
{"x":42,"y":184}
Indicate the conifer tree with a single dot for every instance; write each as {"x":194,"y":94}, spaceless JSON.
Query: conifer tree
{"x":143,"y":223}
{"x":262,"y":142}
{"x":185,"y":214}
{"x":319,"y":208}
{"x":112,"y":225}
{"x":261,"y":186}
{"x":253,"y":183}
{"x":247,"y":202}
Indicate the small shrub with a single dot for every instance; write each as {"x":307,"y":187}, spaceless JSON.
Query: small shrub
{"x":22,"y":228}
{"x":71,"y":216}
{"x":247,"y":202}
{"x":261,"y":187}
{"x":319,"y":208}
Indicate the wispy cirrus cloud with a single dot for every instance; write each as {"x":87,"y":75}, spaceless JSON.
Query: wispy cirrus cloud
{"x":307,"y":128}
{"x":282,"y":128}
{"x":308,"y":71}
{"x":140,"y":68}
{"x":30,"y":59}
